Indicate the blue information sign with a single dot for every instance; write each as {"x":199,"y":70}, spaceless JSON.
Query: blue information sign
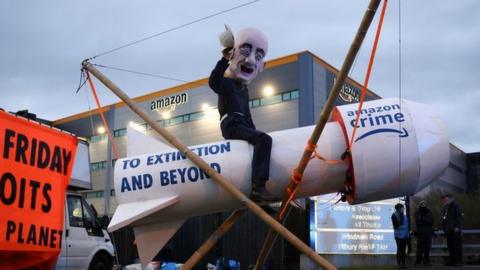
{"x":352,"y":229}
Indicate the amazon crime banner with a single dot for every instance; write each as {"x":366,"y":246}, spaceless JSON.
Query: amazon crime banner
{"x":35,"y":166}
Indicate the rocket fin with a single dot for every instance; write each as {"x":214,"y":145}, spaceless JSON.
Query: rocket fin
{"x":138,"y":143}
{"x":127,"y":213}
{"x":151,"y":238}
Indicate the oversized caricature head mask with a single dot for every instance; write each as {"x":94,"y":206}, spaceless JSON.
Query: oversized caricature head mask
{"x":248,"y":53}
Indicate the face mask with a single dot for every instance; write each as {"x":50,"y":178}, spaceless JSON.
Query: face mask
{"x":249,"y":51}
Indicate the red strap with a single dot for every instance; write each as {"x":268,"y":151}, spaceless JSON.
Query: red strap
{"x":100,"y":109}
{"x":367,"y":76}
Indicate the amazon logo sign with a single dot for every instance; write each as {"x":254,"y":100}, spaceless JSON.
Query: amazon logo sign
{"x":349,"y":94}
{"x":168,"y":104}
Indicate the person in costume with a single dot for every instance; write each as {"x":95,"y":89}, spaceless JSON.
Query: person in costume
{"x":242,"y":60}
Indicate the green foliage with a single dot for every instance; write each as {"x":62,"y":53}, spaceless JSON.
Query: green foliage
{"x":470,"y":204}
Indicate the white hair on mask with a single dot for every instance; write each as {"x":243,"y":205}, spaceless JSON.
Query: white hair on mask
{"x":252,"y":35}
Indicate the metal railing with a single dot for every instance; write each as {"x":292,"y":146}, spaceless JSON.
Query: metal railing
{"x":470,"y":241}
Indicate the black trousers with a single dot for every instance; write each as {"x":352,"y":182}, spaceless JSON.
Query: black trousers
{"x":424,"y":243}
{"x":239,"y":127}
{"x":454,"y":244}
{"x":401,"y":250}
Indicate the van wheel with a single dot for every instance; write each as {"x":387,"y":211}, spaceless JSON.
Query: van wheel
{"x":100,"y":262}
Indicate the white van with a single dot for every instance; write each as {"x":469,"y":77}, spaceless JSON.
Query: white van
{"x":85,"y":242}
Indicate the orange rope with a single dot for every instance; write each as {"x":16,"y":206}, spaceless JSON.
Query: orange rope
{"x":367,"y":76}
{"x":310,"y":146}
{"x":297,"y":177}
{"x":100,"y":109}
{"x":313,"y":149}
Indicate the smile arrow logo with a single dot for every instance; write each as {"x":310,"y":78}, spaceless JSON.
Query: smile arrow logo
{"x":402,"y":133}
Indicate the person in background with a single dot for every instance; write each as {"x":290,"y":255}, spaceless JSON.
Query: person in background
{"x":423,"y":232}
{"x":452,"y":227}
{"x":401,"y":232}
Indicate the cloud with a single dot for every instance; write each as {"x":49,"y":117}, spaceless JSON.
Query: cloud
{"x":45,"y":42}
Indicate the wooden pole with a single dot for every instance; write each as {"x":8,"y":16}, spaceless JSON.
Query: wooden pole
{"x":221,"y":180}
{"x":213,"y":239}
{"x":322,"y":121}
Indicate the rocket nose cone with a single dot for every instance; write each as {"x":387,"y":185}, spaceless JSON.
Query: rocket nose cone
{"x":432,"y":139}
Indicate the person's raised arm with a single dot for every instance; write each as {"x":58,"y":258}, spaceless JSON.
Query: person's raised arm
{"x":216,"y":77}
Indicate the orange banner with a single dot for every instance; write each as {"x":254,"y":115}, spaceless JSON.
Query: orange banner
{"x":35,"y":166}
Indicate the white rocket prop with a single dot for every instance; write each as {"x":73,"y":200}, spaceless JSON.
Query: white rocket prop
{"x":399,"y":149}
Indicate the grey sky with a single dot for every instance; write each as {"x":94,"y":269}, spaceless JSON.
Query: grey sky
{"x":43,"y":43}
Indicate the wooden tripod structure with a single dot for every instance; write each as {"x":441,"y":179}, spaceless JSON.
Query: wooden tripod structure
{"x":221,"y":180}
{"x":276,"y":227}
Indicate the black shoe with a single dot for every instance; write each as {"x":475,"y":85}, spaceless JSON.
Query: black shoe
{"x":261,"y":194}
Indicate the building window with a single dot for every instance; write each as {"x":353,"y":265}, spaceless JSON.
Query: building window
{"x":271,"y":100}
{"x":94,"y":194}
{"x":97,"y":138}
{"x":120,"y":132}
{"x":175,"y":120}
{"x":294,"y":94}
{"x":95,"y":166}
{"x":161,"y":122}
{"x":196,"y":116}
{"x":255,"y":103}
{"x":97,"y":194}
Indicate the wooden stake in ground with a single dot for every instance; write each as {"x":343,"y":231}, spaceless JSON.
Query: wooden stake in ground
{"x":322,"y":121}
{"x":222,"y":181}
{"x":213,"y":239}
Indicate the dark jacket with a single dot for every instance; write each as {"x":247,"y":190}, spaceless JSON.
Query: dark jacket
{"x":423,"y":221}
{"x":452,"y":217}
{"x":232,"y":94}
